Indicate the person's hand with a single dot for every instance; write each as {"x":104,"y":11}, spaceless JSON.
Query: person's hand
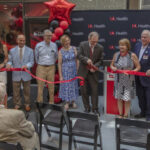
{"x":113,"y":68}
{"x":1,"y":65}
{"x":89,"y":62}
{"x":92,"y":70}
{"x":24,"y":67}
{"x":61,"y":78}
{"x":8,"y":66}
{"x":148,"y":72}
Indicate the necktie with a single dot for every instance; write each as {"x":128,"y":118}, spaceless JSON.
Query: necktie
{"x":91,"y":52}
{"x":20,"y":53}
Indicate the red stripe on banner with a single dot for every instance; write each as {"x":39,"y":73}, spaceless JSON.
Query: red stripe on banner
{"x":56,"y":82}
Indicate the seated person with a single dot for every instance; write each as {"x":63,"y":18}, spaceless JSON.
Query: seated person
{"x":14,"y":127}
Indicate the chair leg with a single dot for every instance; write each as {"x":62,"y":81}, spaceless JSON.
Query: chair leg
{"x":95,"y":141}
{"x":40,"y":133}
{"x":118,"y":138}
{"x":60,"y":138}
{"x":70,"y":141}
{"x":75,"y":143}
{"x":100,"y":139}
{"x":48,"y":131}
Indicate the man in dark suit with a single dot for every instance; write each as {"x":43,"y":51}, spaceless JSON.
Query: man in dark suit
{"x":90,"y":53}
{"x":142,"y":50}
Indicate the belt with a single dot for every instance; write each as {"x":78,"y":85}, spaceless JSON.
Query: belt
{"x":45,"y":65}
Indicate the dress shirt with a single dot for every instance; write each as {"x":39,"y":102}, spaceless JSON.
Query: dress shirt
{"x":23,"y":48}
{"x":46,"y":54}
{"x":92,"y":48}
{"x":143,"y":48}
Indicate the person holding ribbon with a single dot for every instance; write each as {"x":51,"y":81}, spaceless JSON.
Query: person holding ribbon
{"x":90,"y":54}
{"x":124,"y":85}
{"x":45,"y":57}
{"x":142,"y":50}
{"x":21,"y":56}
{"x":68,"y":66}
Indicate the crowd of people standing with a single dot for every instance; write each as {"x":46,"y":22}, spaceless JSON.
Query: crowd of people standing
{"x":73,"y":62}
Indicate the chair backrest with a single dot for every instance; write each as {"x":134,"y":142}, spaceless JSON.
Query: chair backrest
{"x":9,"y":146}
{"x":49,"y":106}
{"x":132,"y":122}
{"x":127,"y":131}
{"x":81,"y":115}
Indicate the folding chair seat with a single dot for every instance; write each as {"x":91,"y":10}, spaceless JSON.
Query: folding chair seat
{"x":86,"y":125}
{"x":55,"y":119}
{"x":132,"y":133}
{"x":9,"y":146}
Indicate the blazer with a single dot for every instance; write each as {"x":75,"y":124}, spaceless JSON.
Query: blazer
{"x":15,"y":128}
{"x":84,"y":54}
{"x":144,"y":62}
{"x":15,"y":62}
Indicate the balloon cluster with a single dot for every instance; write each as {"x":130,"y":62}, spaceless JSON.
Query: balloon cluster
{"x":58,"y":29}
{"x":18,"y":23}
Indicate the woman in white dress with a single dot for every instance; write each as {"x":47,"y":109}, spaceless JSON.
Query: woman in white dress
{"x":3,"y":61}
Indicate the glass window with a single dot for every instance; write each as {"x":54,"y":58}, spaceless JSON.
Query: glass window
{"x":36,"y":10}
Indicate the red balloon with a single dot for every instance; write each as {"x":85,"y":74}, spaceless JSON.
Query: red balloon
{"x":59,"y":31}
{"x":60,"y":9}
{"x":54,"y":38}
{"x":64,"y":24}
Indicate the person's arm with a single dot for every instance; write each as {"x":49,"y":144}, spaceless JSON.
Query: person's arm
{"x":81,"y":57}
{"x":136,"y":62}
{"x":9,"y":63}
{"x":25,"y":127}
{"x":100,"y":60}
{"x":36,"y":52}
{"x":31,"y":61}
{"x":60,"y":66}
{"x":112,"y":63}
{"x":6,"y":57}
{"x":6,"y":54}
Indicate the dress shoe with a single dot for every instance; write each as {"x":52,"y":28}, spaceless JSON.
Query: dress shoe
{"x":27,"y":108}
{"x":87,"y":110}
{"x":139,"y":115}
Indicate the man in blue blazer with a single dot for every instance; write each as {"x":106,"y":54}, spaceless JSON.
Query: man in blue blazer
{"x":142,"y":50}
{"x":21,"y":56}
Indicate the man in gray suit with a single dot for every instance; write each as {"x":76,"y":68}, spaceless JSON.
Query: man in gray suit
{"x":14,"y":127}
{"x":21,"y":56}
{"x":90,"y":53}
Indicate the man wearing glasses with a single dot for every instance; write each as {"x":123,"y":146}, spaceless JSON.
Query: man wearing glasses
{"x":45,"y":57}
{"x":90,"y":53}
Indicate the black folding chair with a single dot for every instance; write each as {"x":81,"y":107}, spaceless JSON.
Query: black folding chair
{"x":133,"y":133}
{"x":86,"y":125}
{"x":55,"y":119}
{"x":9,"y":146}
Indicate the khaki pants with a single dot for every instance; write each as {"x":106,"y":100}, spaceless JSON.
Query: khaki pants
{"x":16,"y":92}
{"x":46,"y":73}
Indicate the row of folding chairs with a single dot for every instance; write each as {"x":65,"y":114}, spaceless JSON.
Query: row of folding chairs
{"x":86,"y":125}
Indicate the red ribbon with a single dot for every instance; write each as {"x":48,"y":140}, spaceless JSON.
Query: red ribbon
{"x":56,"y":82}
{"x":127,"y":72}
{"x":131,"y":72}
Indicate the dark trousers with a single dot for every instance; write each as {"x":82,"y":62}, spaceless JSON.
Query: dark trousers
{"x":91,"y":81}
{"x":143,"y":94}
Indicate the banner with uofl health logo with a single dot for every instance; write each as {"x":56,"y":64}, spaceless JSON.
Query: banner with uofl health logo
{"x":111,"y":25}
